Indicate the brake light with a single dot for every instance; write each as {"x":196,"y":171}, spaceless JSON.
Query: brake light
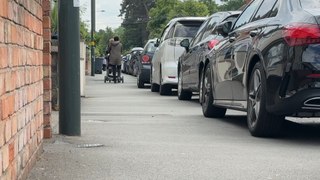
{"x":313,"y":76}
{"x":212,"y":43}
{"x":145,"y":59}
{"x":301,"y":34}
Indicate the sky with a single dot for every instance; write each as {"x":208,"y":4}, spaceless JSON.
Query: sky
{"x":108,"y":18}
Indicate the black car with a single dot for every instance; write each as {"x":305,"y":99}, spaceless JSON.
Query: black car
{"x":192,"y":61}
{"x":268,"y":64}
{"x":126,"y":63}
{"x":144,"y":63}
{"x":132,"y":68}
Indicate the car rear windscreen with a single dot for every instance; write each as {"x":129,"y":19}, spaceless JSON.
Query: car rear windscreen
{"x":151,"y":48}
{"x":187,"y":28}
{"x":310,"y":4}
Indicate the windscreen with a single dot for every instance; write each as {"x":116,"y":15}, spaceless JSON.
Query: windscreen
{"x":187,"y":29}
{"x":310,"y":4}
{"x":151,"y":48}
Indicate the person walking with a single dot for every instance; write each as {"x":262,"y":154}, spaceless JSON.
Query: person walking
{"x":115,"y":50}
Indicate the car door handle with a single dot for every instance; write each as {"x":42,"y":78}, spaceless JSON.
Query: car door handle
{"x":232,"y":39}
{"x":253,"y":33}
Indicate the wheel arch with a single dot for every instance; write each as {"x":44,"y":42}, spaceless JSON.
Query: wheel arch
{"x":253,"y":61}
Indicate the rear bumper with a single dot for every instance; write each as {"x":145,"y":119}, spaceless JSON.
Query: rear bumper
{"x":303,"y":104}
{"x":145,"y":73}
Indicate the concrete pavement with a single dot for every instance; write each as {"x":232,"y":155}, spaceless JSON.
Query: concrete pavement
{"x":146,"y":136}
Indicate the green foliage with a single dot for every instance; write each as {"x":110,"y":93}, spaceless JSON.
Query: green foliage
{"x":102,"y":38}
{"x":165,"y":10}
{"x":231,"y":5}
{"x":54,"y":18}
{"x":211,"y":4}
{"x":136,"y":17}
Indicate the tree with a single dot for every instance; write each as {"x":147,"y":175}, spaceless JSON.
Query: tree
{"x":231,"y":5}
{"x":165,"y":10}
{"x":136,"y":17}
{"x":211,"y":4}
{"x":102,"y":38}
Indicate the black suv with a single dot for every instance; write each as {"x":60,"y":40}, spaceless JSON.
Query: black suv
{"x":268,"y":64}
{"x":191,"y":62}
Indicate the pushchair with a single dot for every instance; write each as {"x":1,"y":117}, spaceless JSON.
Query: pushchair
{"x":113,"y":73}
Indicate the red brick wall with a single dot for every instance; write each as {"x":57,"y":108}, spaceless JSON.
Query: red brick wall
{"x":21,"y":86}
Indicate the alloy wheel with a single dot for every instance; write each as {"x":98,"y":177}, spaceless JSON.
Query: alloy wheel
{"x":254,"y":102}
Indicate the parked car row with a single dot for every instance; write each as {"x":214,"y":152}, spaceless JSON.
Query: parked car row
{"x":264,"y":60}
{"x":129,"y":61}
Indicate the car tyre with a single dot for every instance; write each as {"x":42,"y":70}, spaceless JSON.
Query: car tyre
{"x":183,"y":94}
{"x":208,"y":109}
{"x":260,"y":122}
{"x":140,"y":83}
{"x":165,"y":89}
{"x":154,"y":86}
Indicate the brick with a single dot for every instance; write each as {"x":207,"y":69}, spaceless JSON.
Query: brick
{"x":5,"y":157}
{"x":47,"y":59}
{"x":47,"y":35}
{"x":8,"y":131}
{"x":47,"y":133}
{"x":14,"y":125}
{"x":47,"y":84}
{"x":11,"y":152}
{"x":46,"y":24}
{"x":4,"y":108}
{"x":20,"y":144}
{"x":2,"y":126}
{"x":1,"y":30}
{"x":47,"y":108}
{"x":4,"y":8}
{"x":3,"y":57}
{"x":47,"y":47}
{"x":47,"y":96}
{"x":2,"y":87}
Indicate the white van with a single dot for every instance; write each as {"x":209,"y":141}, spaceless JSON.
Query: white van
{"x":164,"y":75}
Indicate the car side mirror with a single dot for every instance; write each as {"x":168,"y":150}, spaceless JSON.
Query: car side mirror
{"x":185,"y":43}
{"x":157,"y":43}
{"x":224,"y":28}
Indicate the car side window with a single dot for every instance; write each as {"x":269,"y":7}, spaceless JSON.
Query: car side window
{"x":199,"y":34}
{"x":264,"y":10}
{"x":170,"y":33}
{"x":211,"y":25}
{"x":247,"y":14}
{"x":275,"y":9}
{"x":164,"y":33}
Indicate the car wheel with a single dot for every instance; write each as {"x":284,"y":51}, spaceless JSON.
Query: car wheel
{"x":208,"y":109}
{"x":183,"y":94}
{"x":260,"y":122}
{"x":140,"y":83}
{"x":165,"y":89}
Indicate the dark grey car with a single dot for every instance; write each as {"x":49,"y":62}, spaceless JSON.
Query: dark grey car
{"x":191,"y":62}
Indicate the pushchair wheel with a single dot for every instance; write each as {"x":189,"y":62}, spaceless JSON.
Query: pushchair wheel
{"x":105,"y":79}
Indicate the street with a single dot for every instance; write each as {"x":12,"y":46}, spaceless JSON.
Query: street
{"x":142,"y":135}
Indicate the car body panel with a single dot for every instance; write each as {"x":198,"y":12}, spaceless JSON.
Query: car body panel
{"x":289,"y":90}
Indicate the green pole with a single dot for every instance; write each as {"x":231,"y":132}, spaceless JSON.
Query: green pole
{"x":93,"y":29}
{"x":69,"y":68}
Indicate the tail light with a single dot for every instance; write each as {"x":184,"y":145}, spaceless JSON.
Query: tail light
{"x":145,"y":59}
{"x":212,"y":43}
{"x":313,"y":76}
{"x":301,"y":34}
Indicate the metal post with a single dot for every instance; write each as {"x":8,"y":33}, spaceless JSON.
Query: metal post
{"x":93,"y":29}
{"x":69,"y":68}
